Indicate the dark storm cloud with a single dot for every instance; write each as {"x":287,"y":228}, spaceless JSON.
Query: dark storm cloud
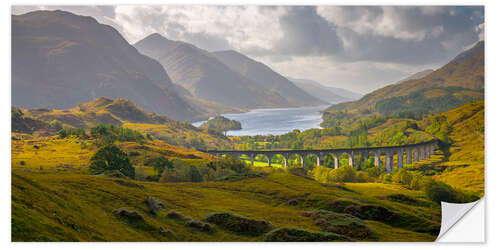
{"x":306,"y":33}
{"x":408,"y":35}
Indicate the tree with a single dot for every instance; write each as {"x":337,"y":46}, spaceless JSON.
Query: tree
{"x":221,"y":124}
{"x":195,"y":174}
{"x":109,"y":158}
{"x":56,"y":125}
{"x":161,"y":163}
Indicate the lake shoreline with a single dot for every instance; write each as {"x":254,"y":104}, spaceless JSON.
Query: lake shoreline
{"x":274,"y":121}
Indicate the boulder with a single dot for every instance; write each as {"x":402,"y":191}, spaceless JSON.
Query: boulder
{"x":200,"y":226}
{"x":154,"y":205}
{"x":165,"y":232}
{"x":339,"y":223}
{"x":130,"y":215}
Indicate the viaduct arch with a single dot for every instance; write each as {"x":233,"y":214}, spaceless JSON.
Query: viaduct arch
{"x":413,"y":153}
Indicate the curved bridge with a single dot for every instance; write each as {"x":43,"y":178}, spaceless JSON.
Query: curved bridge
{"x":405,"y":154}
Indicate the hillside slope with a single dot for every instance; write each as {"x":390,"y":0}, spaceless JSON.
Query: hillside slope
{"x":465,"y":71}
{"x":416,"y":76}
{"x":266,"y":77}
{"x":63,"y":207}
{"x":322,"y":92}
{"x":207,"y":78}
{"x":123,"y":112}
{"x":60,"y":59}
{"x":465,"y":166}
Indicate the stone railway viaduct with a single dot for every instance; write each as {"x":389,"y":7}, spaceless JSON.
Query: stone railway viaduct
{"x":409,"y":153}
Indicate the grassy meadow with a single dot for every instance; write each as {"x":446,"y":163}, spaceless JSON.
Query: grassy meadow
{"x":204,"y":198}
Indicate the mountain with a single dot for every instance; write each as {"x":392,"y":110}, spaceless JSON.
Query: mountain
{"x":266,"y":77}
{"x":465,"y":74}
{"x":417,"y":75}
{"x":322,"y":92}
{"x":60,"y":59}
{"x":345,"y":93}
{"x":207,"y":78}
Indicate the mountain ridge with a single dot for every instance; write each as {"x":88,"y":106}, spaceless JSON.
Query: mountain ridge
{"x":266,"y":77}
{"x":466,"y":72}
{"x":60,"y":59}
{"x":323,"y":92}
{"x":207,"y":78}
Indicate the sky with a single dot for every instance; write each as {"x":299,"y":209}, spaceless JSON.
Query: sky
{"x":359,"y":48}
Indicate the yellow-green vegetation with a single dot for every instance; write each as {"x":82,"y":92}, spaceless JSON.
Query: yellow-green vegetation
{"x":118,"y":112}
{"x":221,"y":124}
{"x":467,"y":73}
{"x":464,"y":163}
{"x":72,"y":154}
{"x":80,"y":207}
{"x":54,"y":198}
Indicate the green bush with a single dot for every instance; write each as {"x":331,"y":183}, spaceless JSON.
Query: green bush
{"x":402,"y":177}
{"x":438,"y":191}
{"x":160,"y":164}
{"x":194,"y":174}
{"x":362,"y":176}
{"x":110,"y":157}
{"x":56,"y":125}
{"x":108,"y":133}
{"x":78,"y":132}
{"x":344,"y":174}
{"x":181,"y":172}
{"x":419,"y":182}
{"x":375,"y":171}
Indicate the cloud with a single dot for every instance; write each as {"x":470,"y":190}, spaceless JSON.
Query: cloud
{"x":410,"y":35}
{"x":306,"y":33}
{"x":480,"y":31}
{"x":210,"y":27}
{"x":357,"y":46}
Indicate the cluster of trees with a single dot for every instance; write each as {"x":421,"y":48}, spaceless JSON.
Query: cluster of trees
{"x":435,"y":190}
{"x":417,"y":104}
{"x":356,"y":136}
{"x":108,"y":133}
{"x":221,"y":124}
{"x":291,"y":140}
{"x":190,"y":141}
{"x":104,"y":134}
{"x":77,"y":132}
{"x":438,"y":126}
{"x":181,"y":171}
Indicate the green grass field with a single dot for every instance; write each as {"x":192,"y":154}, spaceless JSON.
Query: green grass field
{"x":79,"y":207}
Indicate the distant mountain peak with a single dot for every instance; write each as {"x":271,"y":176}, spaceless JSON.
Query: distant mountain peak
{"x":60,"y":59}
{"x":266,"y":77}
{"x":51,"y":16}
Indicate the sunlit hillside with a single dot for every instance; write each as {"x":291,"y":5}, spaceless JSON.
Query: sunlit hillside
{"x":122,"y":112}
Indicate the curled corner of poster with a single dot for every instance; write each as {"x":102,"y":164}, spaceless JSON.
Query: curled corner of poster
{"x":464,"y":222}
